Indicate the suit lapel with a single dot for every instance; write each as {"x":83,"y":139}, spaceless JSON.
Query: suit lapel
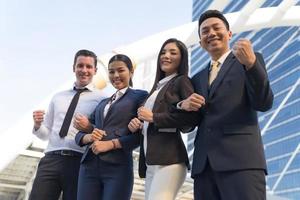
{"x":101,"y":111}
{"x":204,"y":82}
{"x":224,"y":69}
{"x":161,"y":93}
{"x":112,"y":105}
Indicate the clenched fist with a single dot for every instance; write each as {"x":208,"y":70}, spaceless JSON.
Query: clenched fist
{"x":193,"y":102}
{"x":145,"y":114}
{"x":96,"y":135}
{"x":243,"y":51}
{"x":82,"y":123}
{"x":38,"y":118}
{"x":135,"y":124}
{"x":102,"y":146}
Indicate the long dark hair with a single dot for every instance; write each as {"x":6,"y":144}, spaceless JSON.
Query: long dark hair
{"x":126,"y":60}
{"x":183,"y":67}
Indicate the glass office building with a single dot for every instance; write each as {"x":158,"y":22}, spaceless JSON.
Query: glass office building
{"x":280,"y":126}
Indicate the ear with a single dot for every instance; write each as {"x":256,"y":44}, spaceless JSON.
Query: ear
{"x":131,"y":72}
{"x":230,"y":35}
{"x":73,"y":68}
{"x":200,"y":43}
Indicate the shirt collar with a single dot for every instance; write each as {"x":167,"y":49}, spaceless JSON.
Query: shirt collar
{"x":163,"y":81}
{"x":122,"y":91}
{"x":90,"y":87}
{"x":221,"y":59}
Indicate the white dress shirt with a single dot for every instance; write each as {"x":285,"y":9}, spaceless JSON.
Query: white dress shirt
{"x":55,"y":115}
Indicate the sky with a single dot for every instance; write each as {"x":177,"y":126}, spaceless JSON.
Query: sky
{"x":38,"y":40}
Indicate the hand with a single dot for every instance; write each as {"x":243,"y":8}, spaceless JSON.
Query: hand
{"x":135,"y":124}
{"x":38,"y":118}
{"x":193,"y":102}
{"x":82,"y":123}
{"x":243,"y":51}
{"x":145,"y":114}
{"x":102,"y":146}
{"x":96,"y":135}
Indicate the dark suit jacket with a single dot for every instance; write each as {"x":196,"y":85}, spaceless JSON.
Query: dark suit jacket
{"x":115,"y":124}
{"x":165,"y":145}
{"x":228,"y":134}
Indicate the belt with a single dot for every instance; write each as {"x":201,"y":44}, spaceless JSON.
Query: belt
{"x":64,"y":153}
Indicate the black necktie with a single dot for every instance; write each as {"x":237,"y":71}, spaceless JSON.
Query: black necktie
{"x":69,"y":115}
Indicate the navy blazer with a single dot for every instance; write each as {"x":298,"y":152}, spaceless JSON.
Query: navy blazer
{"x":228,"y":133}
{"x":115,"y":124}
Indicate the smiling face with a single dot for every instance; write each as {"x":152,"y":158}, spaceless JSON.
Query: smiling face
{"x":84,"y":69}
{"x":214,"y":37}
{"x":119,"y":74}
{"x":170,"y":58}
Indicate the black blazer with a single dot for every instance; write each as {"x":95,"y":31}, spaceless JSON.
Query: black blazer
{"x":228,"y":134}
{"x":165,"y":145}
{"x":115,"y":124}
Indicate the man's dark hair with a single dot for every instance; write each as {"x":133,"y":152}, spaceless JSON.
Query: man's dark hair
{"x":87,"y":53}
{"x":212,"y":13}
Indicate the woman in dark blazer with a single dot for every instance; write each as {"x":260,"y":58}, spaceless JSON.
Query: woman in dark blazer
{"x":163,"y":156}
{"x":106,"y":170}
